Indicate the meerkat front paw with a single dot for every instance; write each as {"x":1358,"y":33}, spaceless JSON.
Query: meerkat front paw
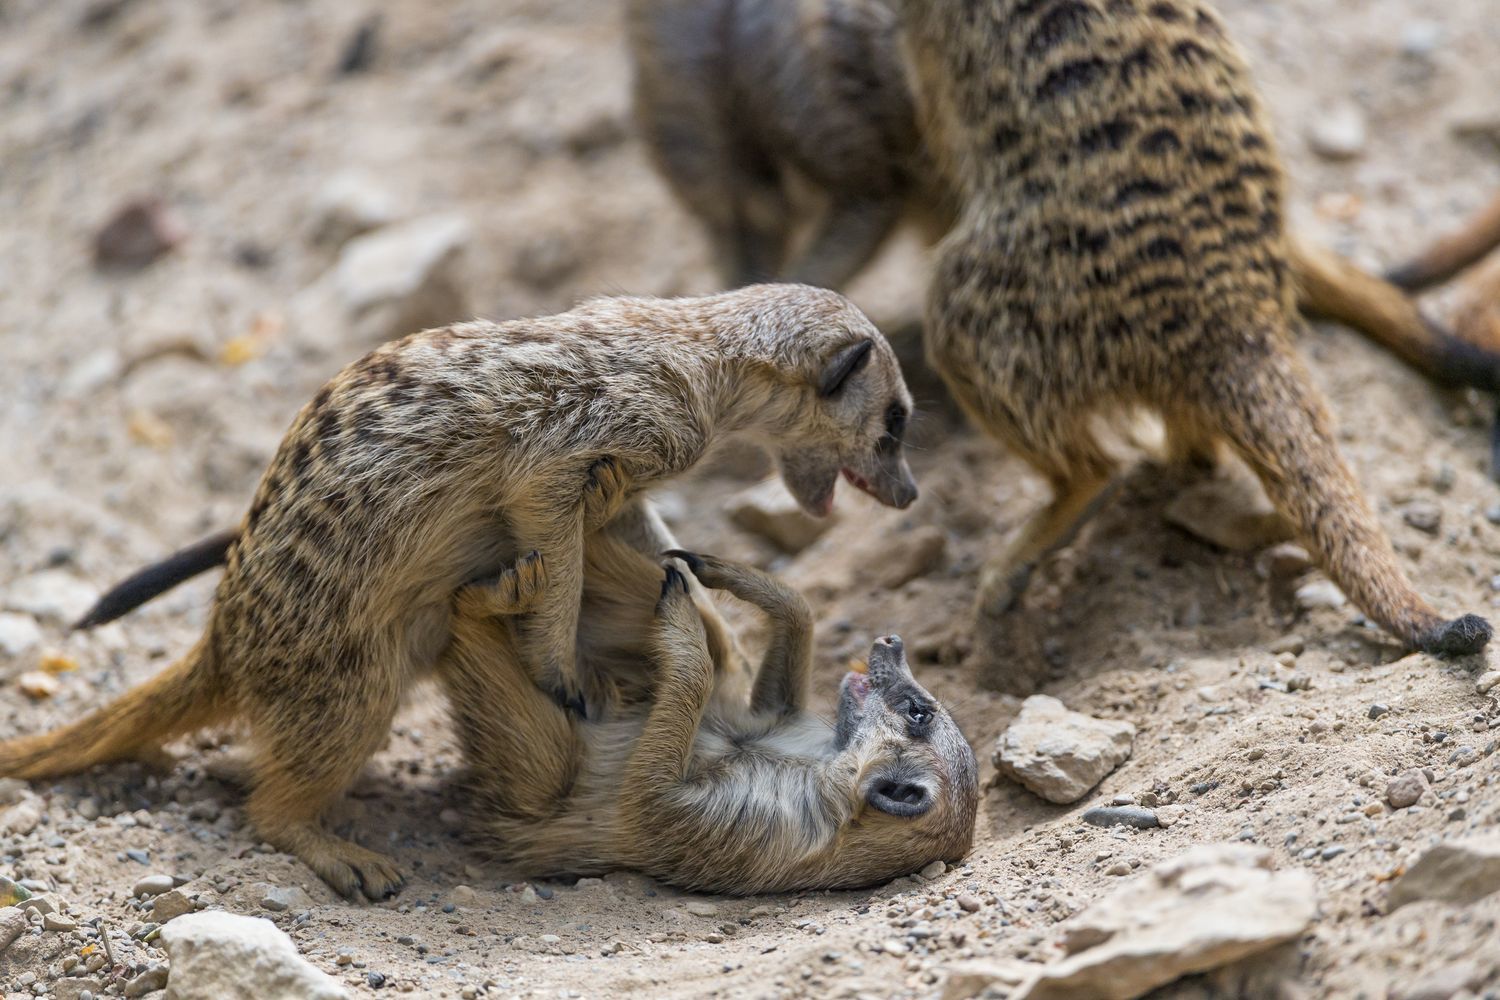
{"x":513,"y":591}
{"x":605,"y":492}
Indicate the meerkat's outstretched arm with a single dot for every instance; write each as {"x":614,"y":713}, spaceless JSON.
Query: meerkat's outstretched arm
{"x":782,"y":680}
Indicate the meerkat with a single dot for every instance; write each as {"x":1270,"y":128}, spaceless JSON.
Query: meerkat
{"x":712,"y":780}
{"x":788,"y":129}
{"x":440,"y":457}
{"x":1120,"y":245}
{"x":1453,"y":253}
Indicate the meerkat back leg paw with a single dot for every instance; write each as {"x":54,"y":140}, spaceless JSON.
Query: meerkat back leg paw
{"x":514,"y":590}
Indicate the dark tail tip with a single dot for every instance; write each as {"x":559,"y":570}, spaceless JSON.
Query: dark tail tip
{"x":1462,"y":636}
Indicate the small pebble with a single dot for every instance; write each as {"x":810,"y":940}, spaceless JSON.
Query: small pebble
{"x":968,"y":902}
{"x":153,"y":979}
{"x":153,"y":885}
{"x":1136,"y":816}
{"x":933,"y":870}
{"x":139,"y":856}
{"x":700,"y":908}
{"x":1377,"y":710}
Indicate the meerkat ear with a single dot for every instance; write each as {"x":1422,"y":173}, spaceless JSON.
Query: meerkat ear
{"x":844,"y":364}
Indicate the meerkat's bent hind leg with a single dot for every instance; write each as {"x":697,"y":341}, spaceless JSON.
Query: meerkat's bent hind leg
{"x":1274,"y":418}
{"x":302,"y":764}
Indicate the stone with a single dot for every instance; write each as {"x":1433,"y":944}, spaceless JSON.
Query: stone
{"x":1211,"y":906}
{"x":12,"y":925}
{"x":1290,"y":643}
{"x":968,"y":902}
{"x":963,"y":980}
{"x":1231,"y":512}
{"x":1378,"y":709}
{"x":463,"y":895}
{"x":1058,"y":754}
{"x":136,"y":234}
{"x":223,"y":956}
{"x":911,"y":555}
{"x":21,"y":818}
{"x":1424,"y":515}
{"x":1338,"y":131}
{"x":53,"y":595}
{"x":152,"y":885}
{"x":403,"y":278}
{"x":1406,"y":788}
{"x":1444,"y":982}
{"x":701,"y":908}
{"x":769,"y":511}
{"x":38,"y":685}
{"x":19,"y":634}
{"x":934,"y":870}
{"x":1283,"y":562}
{"x":1320,"y":593}
{"x":278,"y":898}
{"x":1487,"y":681}
{"x":1459,"y":871}
{"x":1137,"y":816}
{"x":171,"y":905}
{"x":153,"y":979}
{"x":348,"y":205}
{"x":58,"y":922}
{"x":1169,"y":815}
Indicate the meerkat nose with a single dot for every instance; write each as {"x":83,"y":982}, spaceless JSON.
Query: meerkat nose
{"x":892,"y":640}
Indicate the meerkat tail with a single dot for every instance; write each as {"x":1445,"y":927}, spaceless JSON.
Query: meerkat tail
{"x":1452,"y":253}
{"x":158,"y":578}
{"x":1331,"y":287}
{"x":180,"y":699}
{"x":1272,"y":416}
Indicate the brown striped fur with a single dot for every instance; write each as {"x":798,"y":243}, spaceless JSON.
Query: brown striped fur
{"x":444,"y":457}
{"x":1120,"y":244}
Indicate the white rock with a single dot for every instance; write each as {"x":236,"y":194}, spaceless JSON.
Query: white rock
{"x":463,"y":895}
{"x":1213,"y":905}
{"x":152,"y":885}
{"x":52,"y":595}
{"x":769,"y":510}
{"x":1487,"y":681}
{"x":221,"y":956}
{"x":1231,"y":512}
{"x":963,"y":980}
{"x":1320,"y":594}
{"x":1460,"y":871}
{"x":405,"y":277}
{"x":701,"y":908}
{"x":348,"y":205}
{"x":1406,"y":788}
{"x":278,"y":898}
{"x":21,"y":818}
{"x":1058,"y":754}
{"x":38,"y":684}
{"x":1338,"y":131}
{"x":12,"y":925}
{"x":18,"y":634}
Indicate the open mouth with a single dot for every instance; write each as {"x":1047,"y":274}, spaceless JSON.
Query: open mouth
{"x":858,"y":481}
{"x":857,"y":686}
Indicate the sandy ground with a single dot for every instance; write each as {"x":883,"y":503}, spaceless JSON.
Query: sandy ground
{"x":124,"y":433}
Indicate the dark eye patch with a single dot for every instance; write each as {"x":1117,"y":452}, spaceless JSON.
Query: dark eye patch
{"x":895,"y":420}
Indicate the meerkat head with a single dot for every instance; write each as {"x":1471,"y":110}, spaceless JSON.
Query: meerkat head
{"x":916,"y":779}
{"x":850,"y":409}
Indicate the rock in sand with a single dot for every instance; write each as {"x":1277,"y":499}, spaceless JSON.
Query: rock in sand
{"x":1058,"y":754}
{"x":767,"y":509}
{"x":222,"y":956}
{"x":1458,"y":871}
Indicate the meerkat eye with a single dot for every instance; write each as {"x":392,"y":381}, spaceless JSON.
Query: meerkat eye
{"x":895,"y":420}
{"x":919,"y":714}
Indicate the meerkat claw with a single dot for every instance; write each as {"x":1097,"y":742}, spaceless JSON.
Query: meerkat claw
{"x":693,"y":560}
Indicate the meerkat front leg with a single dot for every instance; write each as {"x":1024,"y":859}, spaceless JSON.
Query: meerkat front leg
{"x":685,"y":680}
{"x":782,"y":680}
{"x":556,"y":520}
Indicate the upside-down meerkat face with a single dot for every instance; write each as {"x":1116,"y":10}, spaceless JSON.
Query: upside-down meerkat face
{"x":917,"y":779}
{"x":854,"y":425}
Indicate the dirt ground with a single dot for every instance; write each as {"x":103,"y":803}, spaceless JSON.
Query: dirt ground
{"x":126,"y":430}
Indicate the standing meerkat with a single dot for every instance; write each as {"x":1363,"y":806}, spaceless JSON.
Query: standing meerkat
{"x":439,"y":459}
{"x":788,"y":129}
{"x":712,"y":778}
{"x":1119,"y":245}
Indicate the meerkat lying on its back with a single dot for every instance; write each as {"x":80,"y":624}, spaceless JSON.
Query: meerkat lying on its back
{"x":441,"y":457}
{"x":764,"y":114}
{"x":1120,"y":244}
{"x":709,"y":780}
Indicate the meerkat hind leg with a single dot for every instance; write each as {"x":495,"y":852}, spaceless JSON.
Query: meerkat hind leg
{"x":302,"y":765}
